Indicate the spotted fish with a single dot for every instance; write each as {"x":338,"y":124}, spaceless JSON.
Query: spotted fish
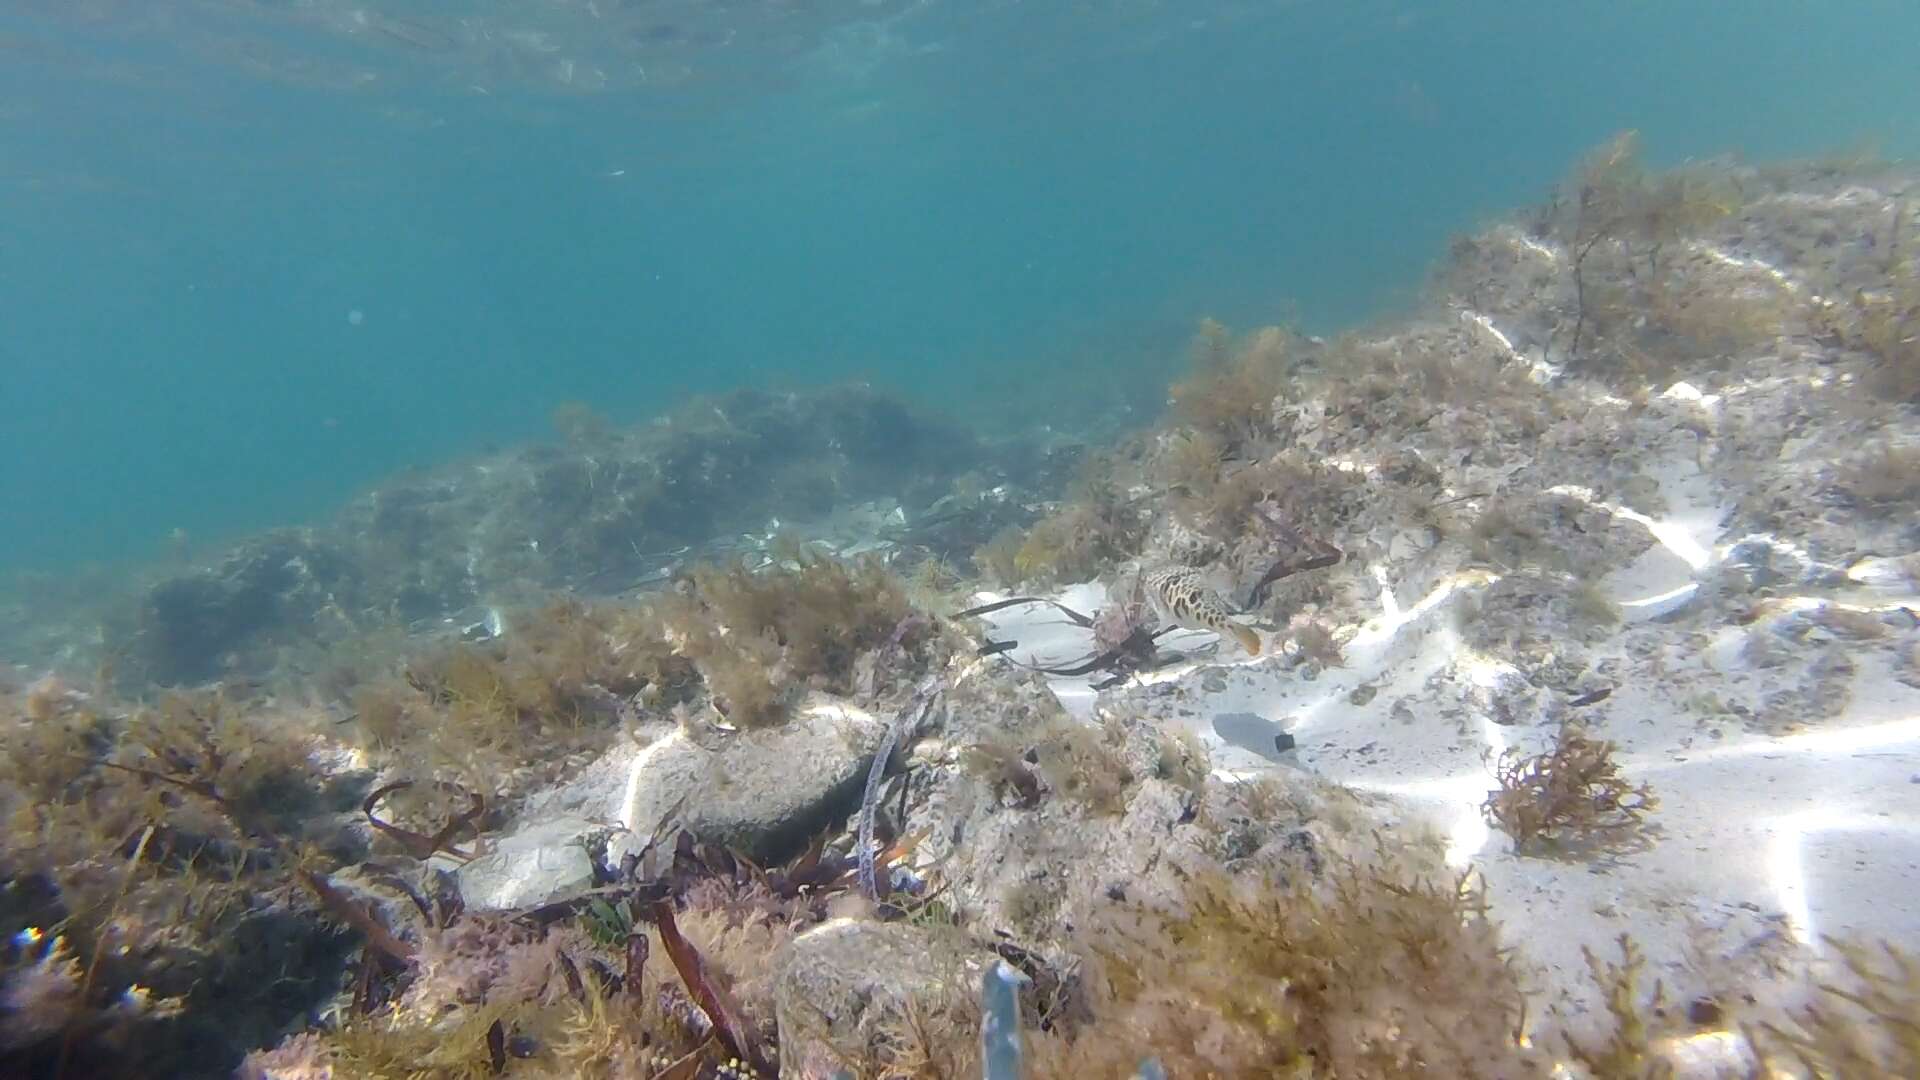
{"x":1182,"y":598}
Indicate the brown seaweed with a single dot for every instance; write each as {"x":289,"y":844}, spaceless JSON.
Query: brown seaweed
{"x":417,"y":844}
{"x":740,"y":1039}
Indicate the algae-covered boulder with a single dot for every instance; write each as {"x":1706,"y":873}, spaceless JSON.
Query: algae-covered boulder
{"x":194,"y":627}
{"x":848,"y":987}
{"x":547,"y":860}
{"x":1044,"y":822}
{"x":599,"y":515}
{"x":762,"y":792}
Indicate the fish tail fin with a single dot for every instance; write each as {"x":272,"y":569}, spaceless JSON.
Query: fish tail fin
{"x":1249,"y":640}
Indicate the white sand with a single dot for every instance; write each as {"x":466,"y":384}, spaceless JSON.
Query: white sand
{"x":1762,"y":844}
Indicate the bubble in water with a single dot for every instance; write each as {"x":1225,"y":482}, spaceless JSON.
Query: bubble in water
{"x":355,"y":317}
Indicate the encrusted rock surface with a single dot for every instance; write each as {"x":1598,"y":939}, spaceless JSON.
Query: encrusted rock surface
{"x":198,"y":626}
{"x":850,"y":986}
{"x":545,"y":860}
{"x":760,"y":792}
{"x":1118,"y":824}
{"x":602,"y":512}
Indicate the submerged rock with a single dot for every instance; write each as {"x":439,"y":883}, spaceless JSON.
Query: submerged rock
{"x":545,"y":861}
{"x":847,"y":987}
{"x":1900,"y":575}
{"x":762,"y":792}
{"x":601,"y":515}
{"x":196,"y":627}
{"x":1505,"y":697}
{"x":1117,"y":811}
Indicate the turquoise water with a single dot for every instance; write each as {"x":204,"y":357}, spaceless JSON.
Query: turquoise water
{"x":1010,"y":211}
